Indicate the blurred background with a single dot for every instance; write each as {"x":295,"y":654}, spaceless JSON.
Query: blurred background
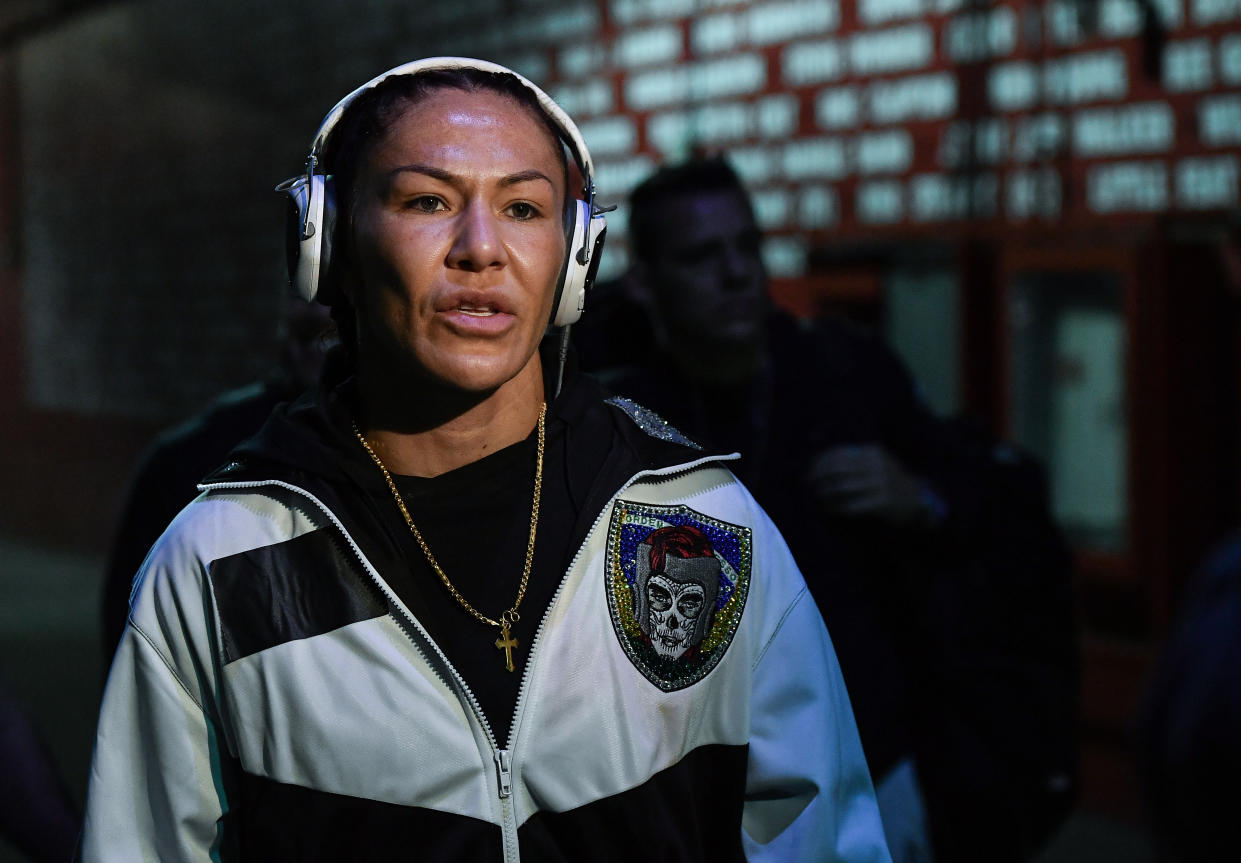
{"x":1035,"y":202}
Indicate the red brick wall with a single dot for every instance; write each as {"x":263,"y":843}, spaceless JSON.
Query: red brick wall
{"x":147,"y":137}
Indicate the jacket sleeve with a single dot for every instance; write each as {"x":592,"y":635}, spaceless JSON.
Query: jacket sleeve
{"x":808,"y":790}
{"x":156,"y":785}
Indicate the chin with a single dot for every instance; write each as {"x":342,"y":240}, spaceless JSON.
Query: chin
{"x":478,"y":375}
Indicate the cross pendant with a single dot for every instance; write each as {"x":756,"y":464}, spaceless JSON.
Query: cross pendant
{"x":505,"y":643}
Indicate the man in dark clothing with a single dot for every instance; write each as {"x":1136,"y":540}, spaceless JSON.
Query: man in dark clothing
{"x":884,"y":507}
{"x":1189,"y":751}
{"x":37,"y":813}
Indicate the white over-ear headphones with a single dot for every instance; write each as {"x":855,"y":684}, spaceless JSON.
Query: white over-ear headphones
{"x":313,"y":210}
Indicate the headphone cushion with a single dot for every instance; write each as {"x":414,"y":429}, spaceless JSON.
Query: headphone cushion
{"x":572,"y":291}
{"x":309,"y":233}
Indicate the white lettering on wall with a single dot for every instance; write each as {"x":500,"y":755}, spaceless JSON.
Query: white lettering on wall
{"x":784,"y":257}
{"x":632,"y":11}
{"x":1230,"y":59}
{"x":589,"y":97}
{"x":555,"y":25}
{"x":879,"y":202}
{"x":986,"y":140}
{"x":616,"y":179}
{"x":780,"y":21}
{"x":580,"y":61}
{"x":1205,"y":12}
{"x":724,"y":76}
{"x":890,"y":151}
{"x":895,"y":49}
{"x":872,"y":12}
{"x":610,"y":136}
{"x":920,"y":97}
{"x":1147,"y":127}
{"x":939,"y":197}
{"x":812,"y":62}
{"x":1187,"y":65}
{"x":725,"y":121}
{"x":1219,"y":120}
{"x":771,"y":208}
{"x":1063,"y":22}
{"x":818,"y":207}
{"x":1091,"y":76}
{"x":643,"y":47}
{"x":754,"y":164}
{"x":1013,"y":86}
{"x":716,"y":33}
{"x":1033,"y":193}
{"x":837,"y":108}
{"x":1127,"y":187}
{"x":674,"y":133}
{"x":815,"y":157}
{"x":777,"y":116}
{"x":1038,"y":136}
{"x":981,"y":35}
{"x":1207,"y":183}
{"x":1119,"y":18}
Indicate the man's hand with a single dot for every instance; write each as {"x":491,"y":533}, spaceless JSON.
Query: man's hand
{"x":865,"y":481}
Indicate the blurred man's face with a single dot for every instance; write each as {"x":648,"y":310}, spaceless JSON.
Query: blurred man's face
{"x":707,"y":275}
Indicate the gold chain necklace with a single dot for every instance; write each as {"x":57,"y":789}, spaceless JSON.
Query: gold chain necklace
{"x":505,"y":642}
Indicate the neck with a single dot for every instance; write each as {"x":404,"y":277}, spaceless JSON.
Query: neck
{"x":426,"y":430}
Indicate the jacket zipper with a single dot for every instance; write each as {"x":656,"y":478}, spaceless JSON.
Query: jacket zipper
{"x":501,"y":757}
{"x":662,"y":475}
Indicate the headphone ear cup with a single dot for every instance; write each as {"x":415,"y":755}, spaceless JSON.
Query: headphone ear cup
{"x":585,"y":245}
{"x":308,"y":232}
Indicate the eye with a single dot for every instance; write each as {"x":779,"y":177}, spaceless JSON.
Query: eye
{"x":523,"y":211}
{"x":425,"y":204}
{"x":689,"y":605}
{"x":660,"y":599}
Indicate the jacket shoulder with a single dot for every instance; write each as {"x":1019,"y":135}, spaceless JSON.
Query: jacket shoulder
{"x":651,"y":423}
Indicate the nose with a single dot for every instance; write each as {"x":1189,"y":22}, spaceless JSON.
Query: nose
{"x":673,"y":623}
{"x":738,"y":266}
{"x":477,"y":245}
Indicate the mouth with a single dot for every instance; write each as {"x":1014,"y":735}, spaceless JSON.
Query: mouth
{"x":477,"y":311}
{"x":477,"y":316}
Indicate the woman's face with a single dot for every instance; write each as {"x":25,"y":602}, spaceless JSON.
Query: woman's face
{"x":457,"y":240}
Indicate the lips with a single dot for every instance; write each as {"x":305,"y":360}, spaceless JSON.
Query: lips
{"x":474,"y":302}
{"x":476,"y":313}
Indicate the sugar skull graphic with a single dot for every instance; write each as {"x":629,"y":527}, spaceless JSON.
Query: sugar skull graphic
{"x":677,"y":582}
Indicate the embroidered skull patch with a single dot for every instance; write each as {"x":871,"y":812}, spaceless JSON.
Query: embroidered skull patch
{"x":676,"y":582}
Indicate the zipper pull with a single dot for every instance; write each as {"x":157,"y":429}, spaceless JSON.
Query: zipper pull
{"x":504,"y":769}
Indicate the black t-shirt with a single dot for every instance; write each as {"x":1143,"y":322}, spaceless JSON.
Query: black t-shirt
{"x":476,"y":521}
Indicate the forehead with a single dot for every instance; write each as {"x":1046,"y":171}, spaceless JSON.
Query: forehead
{"x":690,"y":570}
{"x":468,"y":129}
{"x":702,"y":217}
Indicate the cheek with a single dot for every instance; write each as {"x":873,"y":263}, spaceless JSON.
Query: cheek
{"x":539,"y":258}
{"x":398,"y":250}
{"x":684,"y":294}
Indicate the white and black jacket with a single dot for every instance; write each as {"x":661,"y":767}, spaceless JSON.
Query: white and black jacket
{"x":274,"y":699}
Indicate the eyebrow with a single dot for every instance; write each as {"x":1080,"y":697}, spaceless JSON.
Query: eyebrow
{"x":440,"y":174}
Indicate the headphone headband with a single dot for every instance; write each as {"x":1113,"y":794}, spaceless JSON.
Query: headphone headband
{"x":572,"y":136}
{"x":313,"y":205}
